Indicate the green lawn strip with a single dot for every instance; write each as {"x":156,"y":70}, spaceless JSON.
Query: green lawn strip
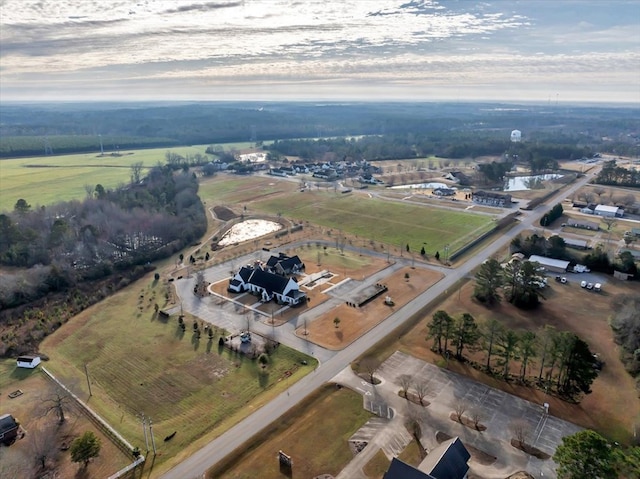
{"x":411,"y":454}
{"x":49,"y":179}
{"x":315,"y":434}
{"x":139,"y":364}
{"x":377,"y":466}
{"x":388,"y":222}
{"x":226,"y":189}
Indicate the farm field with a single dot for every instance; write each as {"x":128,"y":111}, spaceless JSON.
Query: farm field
{"x":611,"y":409}
{"x":139,"y":363}
{"x":315,"y":434}
{"x":403,"y":224}
{"x":48,"y":179}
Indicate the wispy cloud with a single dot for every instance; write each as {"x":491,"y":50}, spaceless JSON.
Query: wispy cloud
{"x":49,"y":46}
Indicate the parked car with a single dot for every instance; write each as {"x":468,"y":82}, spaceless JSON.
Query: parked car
{"x":589,"y":285}
{"x":597,"y":287}
{"x":583,"y":284}
{"x":563,"y":280}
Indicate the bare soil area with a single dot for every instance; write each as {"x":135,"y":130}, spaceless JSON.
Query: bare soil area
{"x":356,"y":321}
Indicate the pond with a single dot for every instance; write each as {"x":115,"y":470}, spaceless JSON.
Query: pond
{"x":533,"y":182}
{"x":247,"y":230}
{"x":429,"y":186}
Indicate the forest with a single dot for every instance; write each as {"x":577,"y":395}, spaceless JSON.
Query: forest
{"x":67,"y":256}
{"x":447,"y":129}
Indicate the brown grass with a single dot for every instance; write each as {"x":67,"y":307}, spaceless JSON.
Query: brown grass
{"x":25,"y":408}
{"x":354,"y":322}
{"x":613,"y":404}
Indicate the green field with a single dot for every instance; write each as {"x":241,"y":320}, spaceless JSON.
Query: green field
{"x":140,"y":364}
{"x":48,"y":179}
{"x":315,"y":434}
{"x":388,"y":222}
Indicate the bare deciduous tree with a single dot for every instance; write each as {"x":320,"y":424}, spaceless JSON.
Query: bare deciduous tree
{"x":55,"y":399}
{"x":43,"y":445}
{"x":370,"y":365}
{"x":422,"y":389}
{"x":460,"y":408}
{"x":521,"y":430}
{"x":476,"y":417}
{"x":405,"y":382}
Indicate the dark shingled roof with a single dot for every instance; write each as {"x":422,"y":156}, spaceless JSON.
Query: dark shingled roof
{"x":447,"y":461}
{"x":269,"y":281}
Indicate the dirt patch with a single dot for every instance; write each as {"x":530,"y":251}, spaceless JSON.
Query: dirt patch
{"x":531,"y":450}
{"x":354,"y":322}
{"x":223,"y":213}
{"x":477,"y":455}
{"x":465,"y":421}
{"x":25,"y":409}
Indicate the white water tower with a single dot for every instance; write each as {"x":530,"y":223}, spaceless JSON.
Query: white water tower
{"x":516,"y":136}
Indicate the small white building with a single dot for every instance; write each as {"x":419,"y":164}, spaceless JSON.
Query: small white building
{"x":609,"y":211}
{"x":516,"y":136}
{"x":29,"y":362}
{"x":550,"y":264}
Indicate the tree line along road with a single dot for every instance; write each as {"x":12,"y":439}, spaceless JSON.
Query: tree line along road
{"x":198,"y":463}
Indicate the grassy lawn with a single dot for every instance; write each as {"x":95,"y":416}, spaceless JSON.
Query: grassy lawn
{"x":377,"y":466}
{"x":49,"y":179}
{"x":402,"y":223}
{"x":140,"y":364}
{"x":315,"y":435}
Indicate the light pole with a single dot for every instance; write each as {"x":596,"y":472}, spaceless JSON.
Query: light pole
{"x":446,"y":254}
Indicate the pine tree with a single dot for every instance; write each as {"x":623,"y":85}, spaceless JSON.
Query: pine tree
{"x":488,"y":281}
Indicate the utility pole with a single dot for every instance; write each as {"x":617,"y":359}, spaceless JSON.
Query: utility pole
{"x":86,"y":372}
{"x":153,"y":439}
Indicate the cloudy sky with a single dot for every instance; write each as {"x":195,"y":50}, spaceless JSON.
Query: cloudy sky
{"x":529,"y":50}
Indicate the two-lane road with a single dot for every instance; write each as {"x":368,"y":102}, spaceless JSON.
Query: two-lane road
{"x":197,"y":464}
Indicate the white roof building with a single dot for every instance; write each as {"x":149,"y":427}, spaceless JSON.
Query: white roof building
{"x":610,"y":211}
{"x":550,"y":264}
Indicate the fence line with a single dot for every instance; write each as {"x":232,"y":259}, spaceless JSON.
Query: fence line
{"x":120,"y":441}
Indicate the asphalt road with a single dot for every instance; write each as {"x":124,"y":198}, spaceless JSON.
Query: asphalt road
{"x":197,"y":464}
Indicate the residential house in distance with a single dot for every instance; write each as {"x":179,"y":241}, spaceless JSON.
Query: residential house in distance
{"x":585,"y":225}
{"x":489,"y":198}
{"x":447,"y":461}
{"x":444,"y":191}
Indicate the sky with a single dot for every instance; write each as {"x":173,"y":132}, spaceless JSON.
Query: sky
{"x":370,"y":50}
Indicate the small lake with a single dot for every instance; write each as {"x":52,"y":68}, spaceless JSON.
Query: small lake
{"x":428,"y":186}
{"x":534,"y":182}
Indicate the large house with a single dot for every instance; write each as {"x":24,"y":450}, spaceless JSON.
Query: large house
{"x":490,"y":198}
{"x":271,"y":280}
{"x":446,"y":461}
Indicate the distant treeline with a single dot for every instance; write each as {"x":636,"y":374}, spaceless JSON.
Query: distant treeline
{"x":614,"y":175}
{"x":19,"y":146}
{"x":427,"y":127}
{"x":450,"y":144}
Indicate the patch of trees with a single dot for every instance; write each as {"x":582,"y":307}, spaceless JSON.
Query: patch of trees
{"x":553,"y":214}
{"x":611,"y":174}
{"x":559,"y":361}
{"x":588,"y":454}
{"x":62,"y":247}
{"x":552,"y":247}
{"x":495,"y":172}
{"x":625,"y":324}
{"x":598,"y":260}
{"x":521,"y":283}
